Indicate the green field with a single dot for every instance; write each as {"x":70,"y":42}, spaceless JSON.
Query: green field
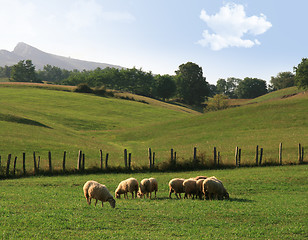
{"x":45,"y":119}
{"x":265,"y":203}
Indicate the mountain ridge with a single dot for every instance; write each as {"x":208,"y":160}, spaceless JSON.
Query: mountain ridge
{"x":23,"y":51}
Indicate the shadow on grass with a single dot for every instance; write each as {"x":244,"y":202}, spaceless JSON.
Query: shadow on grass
{"x":240,"y":200}
{"x":16,"y":119}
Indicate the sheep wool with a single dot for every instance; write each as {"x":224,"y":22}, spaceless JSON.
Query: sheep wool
{"x":97,"y":191}
{"x":190,"y":188}
{"x":147,"y":186}
{"x":213,"y":188}
{"x":176,"y":186}
{"x":129,"y":185}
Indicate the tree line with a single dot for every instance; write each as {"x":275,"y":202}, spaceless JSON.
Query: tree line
{"x":188,"y":85}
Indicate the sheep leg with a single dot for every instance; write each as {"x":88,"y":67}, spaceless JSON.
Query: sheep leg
{"x":102,"y":204}
{"x":170,"y":191}
{"x":155,"y":194}
{"x":95,"y":202}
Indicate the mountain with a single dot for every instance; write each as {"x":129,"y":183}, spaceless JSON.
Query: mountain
{"x":23,"y":51}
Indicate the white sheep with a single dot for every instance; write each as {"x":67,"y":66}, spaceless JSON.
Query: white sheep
{"x":190,"y":187}
{"x":200,"y":177}
{"x":97,"y":191}
{"x":176,"y":186}
{"x":129,"y":185}
{"x":213,"y":188}
{"x":147,"y":186}
{"x":200,"y":187}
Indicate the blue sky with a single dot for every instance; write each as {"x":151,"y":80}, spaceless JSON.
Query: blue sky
{"x":239,"y":38}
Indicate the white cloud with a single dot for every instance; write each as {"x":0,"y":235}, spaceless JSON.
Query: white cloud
{"x":230,"y":25}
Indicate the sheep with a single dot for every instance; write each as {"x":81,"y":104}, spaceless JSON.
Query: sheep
{"x":148,"y":186}
{"x":199,"y":187}
{"x":190,"y":188}
{"x":200,"y":177}
{"x":176,"y":186}
{"x":212,"y":187}
{"x":129,"y":185}
{"x":145,"y":186}
{"x":97,"y":191}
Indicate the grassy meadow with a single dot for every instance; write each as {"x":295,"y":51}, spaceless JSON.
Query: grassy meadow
{"x":265,"y":203}
{"x":45,"y":119}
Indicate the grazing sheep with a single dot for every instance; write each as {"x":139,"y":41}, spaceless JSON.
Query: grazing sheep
{"x":176,"y":186}
{"x":145,"y":186}
{"x":129,"y":185}
{"x":200,"y":187}
{"x":154,"y":186}
{"x":97,"y":191}
{"x":190,"y":187}
{"x":148,"y":186}
{"x":200,"y":177}
{"x":213,"y":188}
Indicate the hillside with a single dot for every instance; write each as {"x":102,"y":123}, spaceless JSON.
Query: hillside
{"x":41,"y":120}
{"x":23,"y":51}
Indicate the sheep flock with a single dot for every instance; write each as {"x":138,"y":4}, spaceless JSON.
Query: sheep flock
{"x":202,"y":187}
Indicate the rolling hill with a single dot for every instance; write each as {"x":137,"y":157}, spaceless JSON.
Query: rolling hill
{"x":42,"y":120}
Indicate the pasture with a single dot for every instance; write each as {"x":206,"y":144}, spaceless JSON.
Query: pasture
{"x":265,"y":203}
{"x":41,"y":119}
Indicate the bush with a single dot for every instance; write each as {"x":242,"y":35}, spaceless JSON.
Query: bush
{"x":101,"y":91}
{"x":83,"y":88}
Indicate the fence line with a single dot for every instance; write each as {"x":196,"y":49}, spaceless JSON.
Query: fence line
{"x":81,"y":161}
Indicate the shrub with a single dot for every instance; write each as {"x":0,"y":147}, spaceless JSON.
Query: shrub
{"x":83,"y":88}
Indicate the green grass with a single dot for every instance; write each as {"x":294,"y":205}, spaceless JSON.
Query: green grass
{"x":41,"y":120}
{"x":265,"y":203}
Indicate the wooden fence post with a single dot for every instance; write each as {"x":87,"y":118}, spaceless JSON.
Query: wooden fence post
{"x":24,"y":163}
{"x":79,"y":160}
{"x":129,"y":161}
{"x":64,"y":158}
{"x":218,"y":158}
{"x":239,"y":157}
{"x":195,"y":155}
{"x":106,"y":161}
{"x":261,"y":156}
{"x":302,"y":155}
{"x":34,"y":163}
{"x":49,"y":160}
{"x":153,"y":160}
{"x":171,"y":159}
{"x":299,"y":153}
{"x":257,"y":155}
{"x":0,"y":161}
{"x":14,"y":171}
{"x":280,"y":154}
{"x":101,"y":153}
{"x":236,"y":156}
{"x":125,"y":157}
{"x":215,"y":156}
{"x":8,"y":165}
{"x":150,"y":157}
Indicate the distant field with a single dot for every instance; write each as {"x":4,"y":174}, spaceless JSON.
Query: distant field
{"x":265,"y":203}
{"x":41,"y":120}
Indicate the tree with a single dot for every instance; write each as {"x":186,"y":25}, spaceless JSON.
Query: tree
{"x":301,"y":74}
{"x":228,"y":87}
{"x":282,"y":80}
{"x":218,"y":102}
{"x":53,"y":74}
{"x":24,"y":71}
{"x":165,"y":86}
{"x":191,"y":85}
{"x":251,"y":88}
